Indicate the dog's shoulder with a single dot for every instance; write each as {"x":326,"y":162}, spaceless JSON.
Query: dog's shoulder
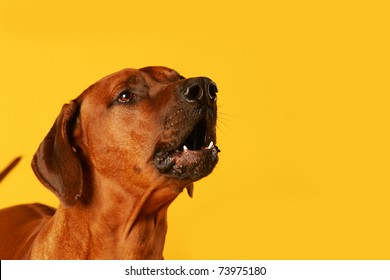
{"x":19,"y":226}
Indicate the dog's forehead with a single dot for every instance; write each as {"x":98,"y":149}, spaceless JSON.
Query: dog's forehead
{"x":142,"y":78}
{"x":162,"y":74}
{"x":128,"y":74}
{"x":133,"y":76}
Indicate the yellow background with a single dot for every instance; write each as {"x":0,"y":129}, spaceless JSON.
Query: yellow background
{"x":303,"y":124}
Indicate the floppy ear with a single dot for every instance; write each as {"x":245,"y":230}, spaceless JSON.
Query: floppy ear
{"x":56,"y":163}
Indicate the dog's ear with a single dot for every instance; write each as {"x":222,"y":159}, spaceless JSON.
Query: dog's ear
{"x":56,"y":163}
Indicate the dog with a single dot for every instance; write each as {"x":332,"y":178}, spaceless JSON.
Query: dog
{"x":116,"y":157}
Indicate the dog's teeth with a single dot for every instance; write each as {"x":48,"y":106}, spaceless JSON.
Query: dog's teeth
{"x":185,"y":149}
{"x":210,"y":145}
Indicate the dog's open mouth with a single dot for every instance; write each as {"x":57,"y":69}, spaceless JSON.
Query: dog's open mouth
{"x":193,"y":158}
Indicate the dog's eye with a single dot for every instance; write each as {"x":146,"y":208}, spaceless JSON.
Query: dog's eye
{"x":125,"y":96}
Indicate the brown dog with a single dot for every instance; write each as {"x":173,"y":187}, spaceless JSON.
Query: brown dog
{"x":116,"y":157}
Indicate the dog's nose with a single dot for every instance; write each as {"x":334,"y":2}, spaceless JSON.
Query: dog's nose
{"x":200,"y":89}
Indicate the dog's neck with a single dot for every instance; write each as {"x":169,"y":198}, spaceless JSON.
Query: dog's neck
{"x":117,"y":225}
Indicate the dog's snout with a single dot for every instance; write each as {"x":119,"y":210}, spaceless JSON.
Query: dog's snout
{"x":212,"y":91}
{"x":200,"y":89}
{"x":193,"y":92}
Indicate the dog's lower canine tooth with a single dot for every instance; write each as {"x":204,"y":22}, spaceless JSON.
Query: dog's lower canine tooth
{"x":185,"y":149}
{"x":210,"y":145}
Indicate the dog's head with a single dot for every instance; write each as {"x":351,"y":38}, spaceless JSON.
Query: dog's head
{"x":149,"y":127}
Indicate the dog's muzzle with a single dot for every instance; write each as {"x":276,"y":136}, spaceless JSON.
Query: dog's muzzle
{"x":190,"y":151}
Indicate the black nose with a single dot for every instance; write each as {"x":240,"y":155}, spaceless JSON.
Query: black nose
{"x":200,"y":89}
